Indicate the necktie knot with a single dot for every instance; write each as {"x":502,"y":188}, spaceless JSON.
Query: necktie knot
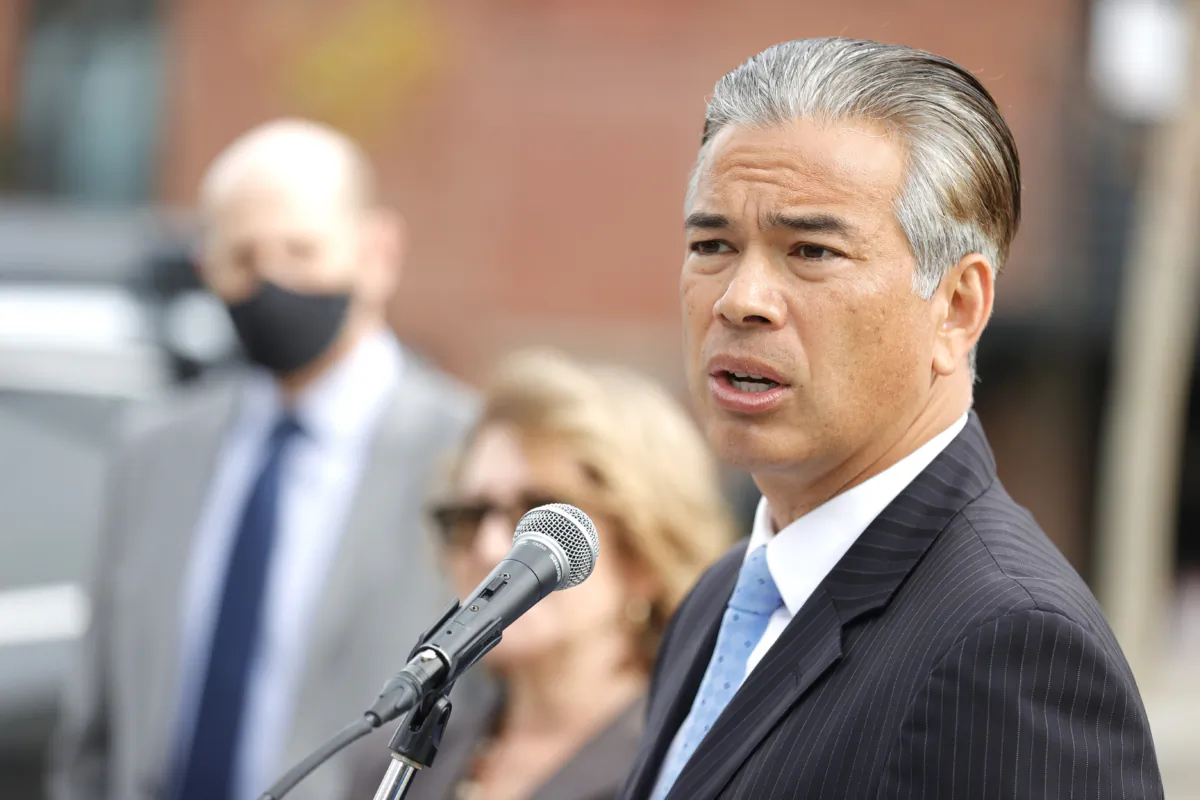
{"x":286,"y":428}
{"x":756,"y":592}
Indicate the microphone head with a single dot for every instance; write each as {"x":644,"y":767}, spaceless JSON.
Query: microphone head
{"x":572,"y":530}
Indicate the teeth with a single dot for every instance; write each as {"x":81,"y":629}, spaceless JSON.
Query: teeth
{"x":746,"y":376}
{"x":754,"y":387}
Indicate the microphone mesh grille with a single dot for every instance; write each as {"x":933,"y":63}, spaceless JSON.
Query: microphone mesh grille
{"x":573,"y":531}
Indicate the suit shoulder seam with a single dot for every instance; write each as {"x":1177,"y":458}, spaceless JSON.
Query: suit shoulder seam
{"x":992,"y":556}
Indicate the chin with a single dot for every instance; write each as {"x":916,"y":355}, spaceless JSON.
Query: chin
{"x":507,"y":656}
{"x":757,"y":445}
{"x":525,"y":640}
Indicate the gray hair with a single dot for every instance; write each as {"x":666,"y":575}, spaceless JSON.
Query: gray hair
{"x":962,"y":191}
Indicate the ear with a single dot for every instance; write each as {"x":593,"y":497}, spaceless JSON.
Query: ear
{"x":963,"y":303}
{"x":386,"y":242}
{"x":196,"y":253}
{"x":200,"y":258}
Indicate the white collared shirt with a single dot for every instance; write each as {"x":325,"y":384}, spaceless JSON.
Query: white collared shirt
{"x":338,"y":413}
{"x":804,"y":553}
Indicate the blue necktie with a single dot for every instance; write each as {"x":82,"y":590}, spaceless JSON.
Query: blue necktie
{"x":210,"y":767}
{"x":755,"y":598}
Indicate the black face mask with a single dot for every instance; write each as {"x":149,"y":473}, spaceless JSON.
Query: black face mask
{"x":285,"y":331}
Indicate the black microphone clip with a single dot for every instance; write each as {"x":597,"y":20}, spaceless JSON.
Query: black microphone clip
{"x":434,"y":664}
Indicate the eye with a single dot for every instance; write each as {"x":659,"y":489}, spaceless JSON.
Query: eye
{"x":243,"y":257}
{"x":814,"y":252}
{"x":710,"y":247}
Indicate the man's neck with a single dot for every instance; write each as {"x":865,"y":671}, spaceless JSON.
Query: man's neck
{"x":794,"y":492}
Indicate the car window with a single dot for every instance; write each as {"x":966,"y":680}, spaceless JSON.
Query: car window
{"x":54,"y":449}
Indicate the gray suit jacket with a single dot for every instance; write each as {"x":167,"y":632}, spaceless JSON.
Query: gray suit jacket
{"x":116,"y":732}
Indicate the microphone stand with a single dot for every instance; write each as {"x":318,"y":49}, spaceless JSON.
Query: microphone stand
{"x":416,"y":740}
{"x":414,"y":745}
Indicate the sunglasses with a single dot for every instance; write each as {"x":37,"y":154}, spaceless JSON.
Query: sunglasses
{"x":458,"y":522}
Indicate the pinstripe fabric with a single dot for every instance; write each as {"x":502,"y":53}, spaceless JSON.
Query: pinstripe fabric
{"x":952,"y":653}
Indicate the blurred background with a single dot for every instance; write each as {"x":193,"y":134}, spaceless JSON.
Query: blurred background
{"x":538,"y":149}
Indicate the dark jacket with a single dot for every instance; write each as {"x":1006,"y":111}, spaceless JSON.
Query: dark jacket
{"x":951,"y":653}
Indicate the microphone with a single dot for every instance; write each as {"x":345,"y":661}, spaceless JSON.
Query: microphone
{"x":554,"y":547}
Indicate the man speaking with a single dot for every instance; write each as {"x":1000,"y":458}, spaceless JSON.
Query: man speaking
{"x":897,"y":626}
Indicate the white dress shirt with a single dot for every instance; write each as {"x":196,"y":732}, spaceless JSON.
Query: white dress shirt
{"x":806,"y":551}
{"x":338,"y":414}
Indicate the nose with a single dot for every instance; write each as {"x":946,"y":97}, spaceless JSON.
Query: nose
{"x":751,"y":299}
{"x":495,"y":538}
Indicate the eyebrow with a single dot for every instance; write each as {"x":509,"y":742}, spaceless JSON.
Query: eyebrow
{"x":704,"y":219}
{"x":804,"y":223}
{"x":808,"y":223}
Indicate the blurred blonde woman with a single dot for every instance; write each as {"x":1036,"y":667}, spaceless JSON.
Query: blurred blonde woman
{"x":572,"y":672}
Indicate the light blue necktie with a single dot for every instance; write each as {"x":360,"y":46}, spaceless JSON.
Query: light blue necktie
{"x":755,"y":598}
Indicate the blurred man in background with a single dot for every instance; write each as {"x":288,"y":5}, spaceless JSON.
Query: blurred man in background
{"x":262,"y":566}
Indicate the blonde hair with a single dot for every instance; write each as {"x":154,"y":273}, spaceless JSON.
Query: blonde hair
{"x":654,"y":480}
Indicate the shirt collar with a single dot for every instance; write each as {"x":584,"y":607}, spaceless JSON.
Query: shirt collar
{"x":806,"y":551}
{"x":342,"y":404}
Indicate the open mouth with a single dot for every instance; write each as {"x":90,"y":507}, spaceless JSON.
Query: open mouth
{"x":749,"y":382}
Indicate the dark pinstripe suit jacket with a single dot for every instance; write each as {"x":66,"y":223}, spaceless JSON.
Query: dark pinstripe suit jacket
{"x":952,"y":653}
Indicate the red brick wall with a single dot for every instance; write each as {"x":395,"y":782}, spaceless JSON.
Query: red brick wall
{"x":539,"y":148}
{"x":11,"y":16}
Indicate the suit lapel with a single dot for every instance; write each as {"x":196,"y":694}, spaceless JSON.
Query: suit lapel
{"x":811,"y":644}
{"x":862,"y":583}
{"x":676,"y":687}
{"x":362,"y":526}
{"x":364,"y":544}
{"x":868,"y":576}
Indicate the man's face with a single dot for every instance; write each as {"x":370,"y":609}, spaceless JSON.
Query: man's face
{"x":797,"y":271}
